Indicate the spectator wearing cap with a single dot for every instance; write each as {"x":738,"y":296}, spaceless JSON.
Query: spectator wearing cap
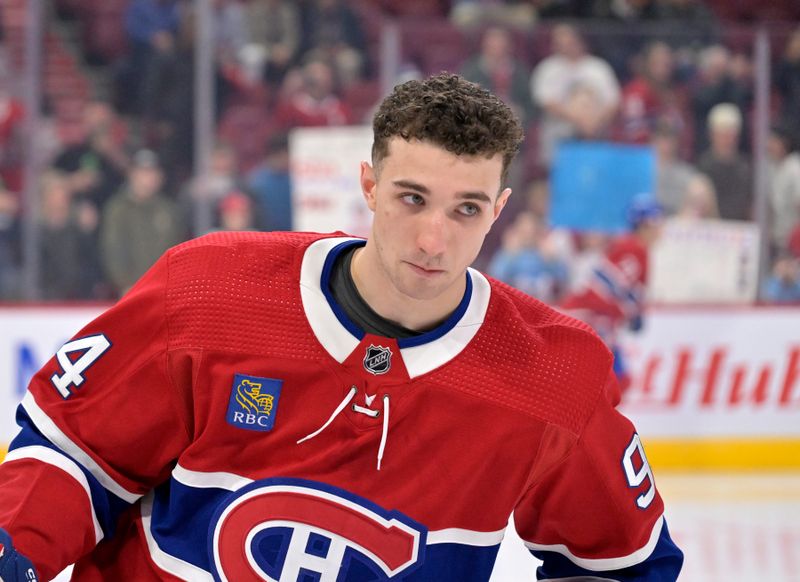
{"x":236,"y":212}
{"x":784,"y":187}
{"x":725,"y":165}
{"x":722,"y":78}
{"x":139,"y":223}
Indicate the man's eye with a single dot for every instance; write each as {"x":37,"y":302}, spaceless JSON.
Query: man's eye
{"x":414,"y":199}
{"x":469,"y":209}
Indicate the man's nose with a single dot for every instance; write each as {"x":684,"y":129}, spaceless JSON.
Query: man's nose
{"x":432,"y":234}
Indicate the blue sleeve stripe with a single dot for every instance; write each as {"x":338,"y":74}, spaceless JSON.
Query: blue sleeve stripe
{"x":31,"y":443}
{"x":53,"y":433}
{"x":663,"y":562}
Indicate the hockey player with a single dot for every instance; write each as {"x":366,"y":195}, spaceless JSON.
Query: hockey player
{"x":613,"y":296}
{"x":293,"y":406}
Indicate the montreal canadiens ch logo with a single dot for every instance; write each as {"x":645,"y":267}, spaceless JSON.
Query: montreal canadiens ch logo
{"x":295,"y":530}
{"x":378,"y":359}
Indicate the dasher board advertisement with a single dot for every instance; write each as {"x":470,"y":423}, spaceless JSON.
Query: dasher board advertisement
{"x":710,"y":386}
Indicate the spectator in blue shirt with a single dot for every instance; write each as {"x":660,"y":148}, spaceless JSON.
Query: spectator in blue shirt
{"x":528,"y":261}
{"x":783,"y":284}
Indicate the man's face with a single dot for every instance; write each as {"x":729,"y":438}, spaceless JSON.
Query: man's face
{"x":432,"y":210}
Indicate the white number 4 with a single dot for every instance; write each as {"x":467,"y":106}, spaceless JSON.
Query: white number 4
{"x":636,"y":477}
{"x":92,"y":347}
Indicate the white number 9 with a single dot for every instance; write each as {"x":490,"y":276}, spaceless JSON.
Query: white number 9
{"x":636,"y":477}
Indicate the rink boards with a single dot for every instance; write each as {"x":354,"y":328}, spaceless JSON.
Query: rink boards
{"x":712,"y":387}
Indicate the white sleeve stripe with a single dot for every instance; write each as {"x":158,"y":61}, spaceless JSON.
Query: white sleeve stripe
{"x":202,"y":479}
{"x":55,"y":459}
{"x":467,"y":537}
{"x":167,"y":562}
{"x":49,"y":429}
{"x":603,"y":564}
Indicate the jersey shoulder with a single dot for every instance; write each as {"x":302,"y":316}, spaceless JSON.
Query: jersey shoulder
{"x":239,"y":291}
{"x":536,"y":360}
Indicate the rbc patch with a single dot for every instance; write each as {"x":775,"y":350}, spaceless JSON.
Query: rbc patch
{"x":253,"y":402}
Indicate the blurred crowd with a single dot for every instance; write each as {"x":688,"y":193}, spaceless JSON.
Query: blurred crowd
{"x":118,"y":188}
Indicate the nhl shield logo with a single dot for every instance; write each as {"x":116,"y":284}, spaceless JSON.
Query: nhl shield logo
{"x":377,"y":360}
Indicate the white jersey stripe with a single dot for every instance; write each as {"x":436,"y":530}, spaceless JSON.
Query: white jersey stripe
{"x":54,"y":434}
{"x":423,"y":358}
{"x":466,"y":537}
{"x":167,"y":562}
{"x":202,"y":480}
{"x":55,"y":459}
{"x":603,"y":564}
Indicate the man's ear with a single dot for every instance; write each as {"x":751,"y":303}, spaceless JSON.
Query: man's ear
{"x":368,"y":184}
{"x":500,"y":203}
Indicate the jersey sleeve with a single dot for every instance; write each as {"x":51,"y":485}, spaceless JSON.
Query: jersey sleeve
{"x":100,"y":425}
{"x":598,"y":512}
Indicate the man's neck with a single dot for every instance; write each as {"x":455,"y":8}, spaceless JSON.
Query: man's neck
{"x":390,"y":303}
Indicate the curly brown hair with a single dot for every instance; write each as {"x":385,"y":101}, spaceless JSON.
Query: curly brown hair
{"x":451,"y":112}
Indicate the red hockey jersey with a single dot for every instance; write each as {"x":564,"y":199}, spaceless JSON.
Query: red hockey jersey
{"x":226,"y":420}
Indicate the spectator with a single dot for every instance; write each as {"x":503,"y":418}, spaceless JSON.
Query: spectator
{"x":688,"y":12}
{"x":66,"y":247}
{"x":721,"y":79}
{"x":222,"y":179}
{"x":236,"y":212}
{"x":651,"y":97}
{"x":787,"y":80}
{"x":560,"y":9}
{"x":271,"y":185}
{"x":784,"y":185}
{"x":783,"y":283}
{"x":9,"y":243}
{"x":506,"y":13}
{"x":331,"y":31}
{"x":577,"y":92}
{"x":139,"y":223}
{"x":496,"y":69}
{"x":627,"y":10}
{"x":152,"y":27}
{"x":274,"y":33}
{"x":673,"y":175}
{"x":527,"y":261}
{"x":12,"y":114}
{"x":699,"y":200}
{"x":728,"y":169}
{"x":231,"y":31}
{"x":232,"y":58}
{"x":310,"y":99}
{"x":96,"y":164}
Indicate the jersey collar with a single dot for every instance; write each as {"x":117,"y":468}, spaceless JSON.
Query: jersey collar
{"x":340,"y":336}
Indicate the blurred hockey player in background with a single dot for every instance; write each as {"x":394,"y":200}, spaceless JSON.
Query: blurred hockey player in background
{"x":612,"y":298}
